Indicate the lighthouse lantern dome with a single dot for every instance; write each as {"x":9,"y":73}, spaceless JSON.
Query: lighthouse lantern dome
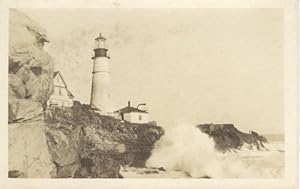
{"x":100,"y":42}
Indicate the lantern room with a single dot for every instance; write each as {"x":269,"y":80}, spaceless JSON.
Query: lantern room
{"x":100,"y":42}
{"x":100,"y":48}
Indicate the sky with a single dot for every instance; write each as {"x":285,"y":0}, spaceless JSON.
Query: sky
{"x":189,"y":65}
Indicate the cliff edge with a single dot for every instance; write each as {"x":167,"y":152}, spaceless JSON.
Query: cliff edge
{"x":84,"y":143}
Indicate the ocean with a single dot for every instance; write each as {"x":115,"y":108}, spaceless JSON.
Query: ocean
{"x":191,"y":154}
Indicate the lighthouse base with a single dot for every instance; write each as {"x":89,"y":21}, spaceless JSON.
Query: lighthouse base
{"x":101,"y":112}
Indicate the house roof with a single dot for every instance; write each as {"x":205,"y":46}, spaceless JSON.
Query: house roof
{"x":58,"y":72}
{"x":69,"y":93}
{"x":129,"y":109}
{"x":55,"y":73}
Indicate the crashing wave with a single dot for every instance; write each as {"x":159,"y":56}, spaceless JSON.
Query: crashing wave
{"x":185,"y":148}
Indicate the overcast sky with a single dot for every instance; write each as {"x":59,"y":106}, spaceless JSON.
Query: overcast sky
{"x":188,"y":65}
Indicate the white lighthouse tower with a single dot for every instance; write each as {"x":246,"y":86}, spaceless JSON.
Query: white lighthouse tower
{"x":101,"y":91}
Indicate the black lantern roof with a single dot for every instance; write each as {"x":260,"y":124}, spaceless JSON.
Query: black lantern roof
{"x":100,"y":37}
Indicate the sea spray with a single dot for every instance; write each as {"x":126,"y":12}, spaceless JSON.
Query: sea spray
{"x":185,"y":148}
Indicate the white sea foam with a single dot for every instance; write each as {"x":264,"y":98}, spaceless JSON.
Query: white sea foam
{"x":185,"y":148}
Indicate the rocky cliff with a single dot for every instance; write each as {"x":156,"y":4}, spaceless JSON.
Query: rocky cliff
{"x":61,"y":142}
{"x":84,"y":143}
{"x":30,"y":84}
{"x":228,"y":138}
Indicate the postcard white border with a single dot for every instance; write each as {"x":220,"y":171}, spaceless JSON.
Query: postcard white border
{"x":290,"y":97}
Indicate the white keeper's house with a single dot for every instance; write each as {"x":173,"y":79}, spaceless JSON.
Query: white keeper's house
{"x":61,"y":95}
{"x":132,"y":114}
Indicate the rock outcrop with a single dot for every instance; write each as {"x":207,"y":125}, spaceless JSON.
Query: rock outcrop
{"x":28,"y":151}
{"x":84,"y":143}
{"x":30,"y":67}
{"x":30,"y":83}
{"x":228,"y":138}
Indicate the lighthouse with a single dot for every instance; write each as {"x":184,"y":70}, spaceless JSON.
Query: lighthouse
{"x":101,"y":91}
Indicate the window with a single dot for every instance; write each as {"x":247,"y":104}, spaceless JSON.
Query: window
{"x":59,"y":91}
{"x":140,"y":117}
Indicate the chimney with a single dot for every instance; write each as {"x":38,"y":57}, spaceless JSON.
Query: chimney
{"x":142,"y":104}
{"x":128,"y":103}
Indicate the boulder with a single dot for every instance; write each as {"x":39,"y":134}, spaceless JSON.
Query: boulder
{"x":28,"y":154}
{"x":21,"y":110}
{"x":63,"y":143}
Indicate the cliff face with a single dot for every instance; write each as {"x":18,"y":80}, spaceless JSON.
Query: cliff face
{"x":227,"y":137}
{"x":30,"y":67}
{"x":61,"y":142}
{"x":30,"y":84}
{"x":84,"y":143}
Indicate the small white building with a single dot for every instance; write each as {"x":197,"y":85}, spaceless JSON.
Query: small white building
{"x":132,"y":114}
{"x":61,"y":95}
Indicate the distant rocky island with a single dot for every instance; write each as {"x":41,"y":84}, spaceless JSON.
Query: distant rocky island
{"x":228,"y":138}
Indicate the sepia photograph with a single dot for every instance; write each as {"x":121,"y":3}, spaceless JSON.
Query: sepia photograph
{"x":146,"y":93}
{"x":149,"y":94}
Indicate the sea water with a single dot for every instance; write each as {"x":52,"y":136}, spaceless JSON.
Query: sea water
{"x":185,"y":152}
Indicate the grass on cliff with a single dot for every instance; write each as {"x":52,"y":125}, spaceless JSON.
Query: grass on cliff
{"x":82,"y":116}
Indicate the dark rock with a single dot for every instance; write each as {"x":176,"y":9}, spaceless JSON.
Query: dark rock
{"x":98,"y":166}
{"x":66,"y":171}
{"x":147,"y":172}
{"x":206,"y":177}
{"x":101,"y":143}
{"x":161,"y":169}
{"x":15,"y":174}
{"x":227,"y":137}
{"x":63,"y":147}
